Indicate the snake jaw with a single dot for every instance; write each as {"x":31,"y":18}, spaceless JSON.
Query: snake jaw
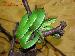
{"x":46,"y":25}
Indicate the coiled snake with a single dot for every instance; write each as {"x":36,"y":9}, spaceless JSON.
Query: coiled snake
{"x":33,"y":23}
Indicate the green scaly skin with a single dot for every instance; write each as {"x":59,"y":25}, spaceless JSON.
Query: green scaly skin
{"x":32,"y":23}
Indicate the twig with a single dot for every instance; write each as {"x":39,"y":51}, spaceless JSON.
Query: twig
{"x":53,"y":31}
{"x":11,"y":52}
{"x":25,"y":3}
{"x":58,"y":29}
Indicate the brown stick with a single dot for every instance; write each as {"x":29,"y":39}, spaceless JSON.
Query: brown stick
{"x":25,"y":3}
{"x":55,"y":30}
{"x":11,"y":52}
{"x":58,"y":29}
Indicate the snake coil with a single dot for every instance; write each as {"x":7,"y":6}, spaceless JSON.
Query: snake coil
{"x":28,"y":25}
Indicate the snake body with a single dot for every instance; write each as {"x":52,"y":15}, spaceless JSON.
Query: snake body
{"x":27,"y":26}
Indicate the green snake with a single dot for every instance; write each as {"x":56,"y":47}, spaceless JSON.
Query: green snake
{"x":33,"y":23}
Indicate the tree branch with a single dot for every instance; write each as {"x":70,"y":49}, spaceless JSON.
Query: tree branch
{"x":25,"y":3}
{"x":11,"y":52}
{"x":58,"y":29}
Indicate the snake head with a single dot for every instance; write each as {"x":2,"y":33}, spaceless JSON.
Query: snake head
{"x":46,"y":25}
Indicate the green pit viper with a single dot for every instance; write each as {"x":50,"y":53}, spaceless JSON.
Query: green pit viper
{"x":33,"y":23}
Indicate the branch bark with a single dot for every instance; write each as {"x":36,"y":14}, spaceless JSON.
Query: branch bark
{"x":58,"y":29}
{"x":25,"y":3}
